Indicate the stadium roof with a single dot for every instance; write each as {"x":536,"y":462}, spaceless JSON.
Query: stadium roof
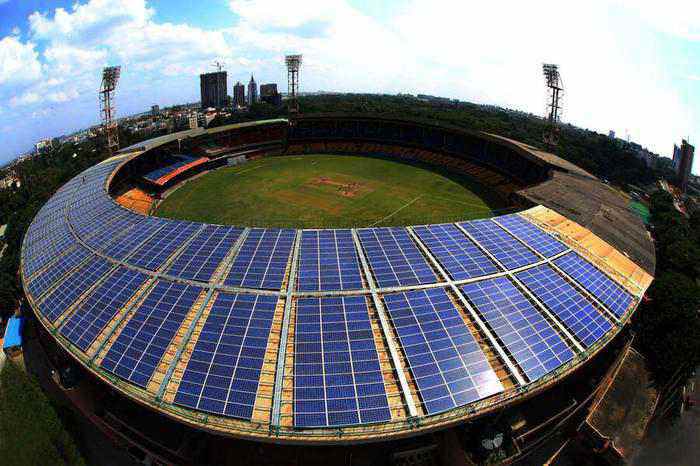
{"x":321,"y":335}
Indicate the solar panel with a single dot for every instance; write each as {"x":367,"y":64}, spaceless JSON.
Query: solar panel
{"x":457,"y":254}
{"x":77,"y":283}
{"x":509,"y":251}
{"x":596,"y":282}
{"x":394,"y":258}
{"x":533,"y":236}
{"x":223,"y":373}
{"x":158,"y":248}
{"x":262,"y":259}
{"x":120,"y":247}
{"x":116,"y":227}
{"x":328,"y":261}
{"x":337,"y":376}
{"x":101,"y":305}
{"x":43,"y":251}
{"x":201,"y":257}
{"x":575,"y":311}
{"x":530,"y":339}
{"x":140,"y":346}
{"x":56,"y":271}
{"x":445,"y":360}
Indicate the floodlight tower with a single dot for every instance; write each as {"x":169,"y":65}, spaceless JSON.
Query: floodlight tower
{"x":555,"y":87}
{"x":110,"y":77}
{"x":293,"y":66}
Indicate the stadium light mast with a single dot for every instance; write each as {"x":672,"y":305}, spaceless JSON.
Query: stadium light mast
{"x":555,"y":87}
{"x":293,"y":65}
{"x":110,"y":77}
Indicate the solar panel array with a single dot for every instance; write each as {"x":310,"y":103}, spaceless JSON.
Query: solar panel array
{"x":533,"y":236}
{"x":534,"y":344}
{"x":200,"y":258}
{"x":596,"y":282}
{"x":447,"y":364}
{"x":223,"y":373}
{"x":262,"y":259}
{"x":328,"y":261}
{"x":394,"y":258}
{"x":85,"y":253}
{"x":63,"y":296}
{"x":100,"y":307}
{"x":135,"y":354}
{"x":457,"y":254}
{"x":506,"y":249}
{"x":337,"y":376}
{"x":153,"y":253}
{"x":575,"y":311}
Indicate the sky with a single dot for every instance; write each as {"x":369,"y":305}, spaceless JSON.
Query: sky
{"x":632,"y":66}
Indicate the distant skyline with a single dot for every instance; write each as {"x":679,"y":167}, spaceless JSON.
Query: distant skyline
{"x":628,"y":66}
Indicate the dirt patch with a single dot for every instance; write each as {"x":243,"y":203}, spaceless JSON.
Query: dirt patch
{"x":349,"y":189}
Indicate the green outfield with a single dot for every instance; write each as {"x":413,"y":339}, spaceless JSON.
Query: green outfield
{"x":323,"y":191}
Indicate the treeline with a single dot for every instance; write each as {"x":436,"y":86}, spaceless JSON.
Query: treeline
{"x":667,"y":322}
{"x":597,"y":153}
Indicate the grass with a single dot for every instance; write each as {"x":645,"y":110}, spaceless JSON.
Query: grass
{"x":30,"y":430}
{"x":329,"y":191}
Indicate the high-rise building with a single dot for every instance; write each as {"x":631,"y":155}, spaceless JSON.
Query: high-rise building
{"x":238,"y":95}
{"x":252,"y":91}
{"x":676,"y":158}
{"x":685,"y":165}
{"x":213,"y":89}
{"x":269,"y":94}
{"x":155,"y":109}
{"x":611,"y":134}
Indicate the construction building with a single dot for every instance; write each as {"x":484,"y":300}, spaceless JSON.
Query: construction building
{"x":269,"y":94}
{"x":213,"y":89}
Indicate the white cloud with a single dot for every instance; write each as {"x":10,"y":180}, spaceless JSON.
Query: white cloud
{"x":19,"y":62}
{"x":25,"y":99}
{"x":680,"y":18}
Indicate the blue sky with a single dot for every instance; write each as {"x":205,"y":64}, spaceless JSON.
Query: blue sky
{"x":631,"y":66}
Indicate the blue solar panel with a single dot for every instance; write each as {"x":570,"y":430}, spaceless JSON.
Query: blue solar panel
{"x":445,"y":360}
{"x":41,"y":252}
{"x":101,"y":305}
{"x":64,"y":295}
{"x":140,"y":346}
{"x":223,"y":373}
{"x":199,"y":260}
{"x":120,"y":247}
{"x":530,"y":339}
{"x":158,"y":248}
{"x":596,"y":282}
{"x":56,"y":271}
{"x":457,"y":254}
{"x":394,"y":258}
{"x":506,"y":249}
{"x":328,"y":261}
{"x":533,"y":236}
{"x":337,"y":376}
{"x":575,"y":311}
{"x":262,"y":259}
{"x":116,"y":227}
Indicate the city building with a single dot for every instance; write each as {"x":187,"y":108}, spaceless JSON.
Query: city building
{"x":611,"y":134}
{"x":252,"y":91}
{"x":676,"y":157}
{"x":155,"y":110}
{"x":213,"y":89}
{"x":685,"y":164}
{"x":43,"y":146}
{"x":269,"y":94}
{"x":238,"y":95}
